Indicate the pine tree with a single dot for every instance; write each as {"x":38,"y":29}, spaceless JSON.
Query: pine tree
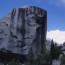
{"x":30,"y":58}
{"x":52,"y":50}
{"x":55,"y":50}
{"x":44,"y":59}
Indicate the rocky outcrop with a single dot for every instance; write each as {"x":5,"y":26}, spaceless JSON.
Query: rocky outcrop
{"x":22,"y":28}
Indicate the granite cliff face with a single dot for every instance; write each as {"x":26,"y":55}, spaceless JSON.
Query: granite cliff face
{"x":23,"y":28}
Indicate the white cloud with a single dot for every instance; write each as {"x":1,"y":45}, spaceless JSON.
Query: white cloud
{"x":57,"y":35}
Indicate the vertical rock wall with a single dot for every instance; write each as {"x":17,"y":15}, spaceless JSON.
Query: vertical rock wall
{"x":22,"y":28}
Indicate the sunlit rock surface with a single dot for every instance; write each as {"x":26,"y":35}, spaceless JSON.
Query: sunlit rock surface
{"x":22,"y":28}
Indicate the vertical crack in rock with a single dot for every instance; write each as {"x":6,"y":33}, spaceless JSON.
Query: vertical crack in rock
{"x":22,"y":28}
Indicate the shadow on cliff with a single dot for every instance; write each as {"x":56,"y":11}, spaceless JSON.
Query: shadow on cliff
{"x":8,"y":56}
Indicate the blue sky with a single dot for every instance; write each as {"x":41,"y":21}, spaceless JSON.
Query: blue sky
{"x":55,"y":10}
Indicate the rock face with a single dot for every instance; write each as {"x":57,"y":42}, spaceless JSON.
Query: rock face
{"x":48,"y":45}
{"x":22,"y":28}
{"x":56,"y":62}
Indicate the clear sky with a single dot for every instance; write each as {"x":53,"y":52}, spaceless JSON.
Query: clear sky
{"x":55,"y":11}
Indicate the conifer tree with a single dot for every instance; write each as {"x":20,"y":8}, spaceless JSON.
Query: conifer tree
{"x":52,"y":50}
{"x":30,"y":58}
{"x":55,"y":50}
{"x":44,"y":59}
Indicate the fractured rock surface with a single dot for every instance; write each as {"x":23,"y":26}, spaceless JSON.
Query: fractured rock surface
{"x":22,"y":28}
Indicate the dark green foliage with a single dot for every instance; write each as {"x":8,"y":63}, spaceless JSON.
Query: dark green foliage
{"x":30,"y":55}
{"x":13,"y":62}
{"x":58,"y":51}
{"x":44,"y":59}
{"x":55,"y":50}
{"x":62,"y":62}
{"x":52,"y":50}
{"x":5,"y":62}
{"x":30,"y":58}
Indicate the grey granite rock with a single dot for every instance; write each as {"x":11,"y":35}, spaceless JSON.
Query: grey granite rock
{"x":48,"y":45}
{"x":22,"y":28}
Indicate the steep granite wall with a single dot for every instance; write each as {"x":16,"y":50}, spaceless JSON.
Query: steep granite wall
{"x":22,"y":28}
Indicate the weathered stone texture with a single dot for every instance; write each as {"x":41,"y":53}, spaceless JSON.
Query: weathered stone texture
{"x":22,"y":28}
